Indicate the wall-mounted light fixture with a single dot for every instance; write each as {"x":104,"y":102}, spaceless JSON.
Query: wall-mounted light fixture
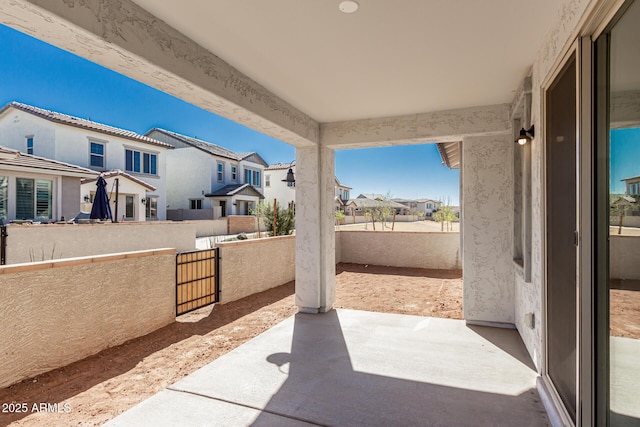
{"x":348,"y":6}
{"x":290,"y":177}
{"x":525,"y":135}
{"x":144,"y":201}
{"x":87,"y":199}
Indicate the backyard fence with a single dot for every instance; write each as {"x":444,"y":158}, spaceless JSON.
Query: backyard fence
{"x":197,"y":279}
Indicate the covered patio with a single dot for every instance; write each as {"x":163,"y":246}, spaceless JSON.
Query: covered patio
{"x":470,"y":75}
{"x":356,"y":368}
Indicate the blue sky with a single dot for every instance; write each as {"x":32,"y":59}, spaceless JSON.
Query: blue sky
{"x":36,"y":73}
{"x":624,"y":152}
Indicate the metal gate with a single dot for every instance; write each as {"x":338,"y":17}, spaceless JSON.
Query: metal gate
{"x":197,"y":279}
{"x":3,"y":245}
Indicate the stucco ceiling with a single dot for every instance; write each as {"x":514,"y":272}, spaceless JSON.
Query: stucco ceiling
{"x":389,"y":58}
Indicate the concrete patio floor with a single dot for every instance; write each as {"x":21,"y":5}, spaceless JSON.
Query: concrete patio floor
{"x":357,"y":368}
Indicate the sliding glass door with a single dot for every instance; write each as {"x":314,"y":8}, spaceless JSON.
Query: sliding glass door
{"x":618,"y":217}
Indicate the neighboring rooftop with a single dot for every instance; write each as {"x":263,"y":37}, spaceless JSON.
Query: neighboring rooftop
{"x":13,"y":158}
{"x":233,"y":189}
{"x":209,"y":147}
{"x":279,"y":166}
{"x":66,"y":119}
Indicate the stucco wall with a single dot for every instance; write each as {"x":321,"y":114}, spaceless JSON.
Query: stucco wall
{"x":624,"y":256}
{"x":487,"y":224}
{"x":215,"y":227}
{"x":251,"y":266}
{"x":360,"y":219}
{"x":627,"y":221}
{"x":400,"y":249}
{"x":241,"y":224}
{"x":70,"y":199}
{"x":529,"y":296}
{"x":27,"y":243}
{"x":55,"y":313}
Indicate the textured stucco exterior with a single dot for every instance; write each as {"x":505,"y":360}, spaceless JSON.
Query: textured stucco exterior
{"x":315,"y":229}
{"x":400,"y":249}
{"x":241,"y":224}
{"x":27,"y":243}
{"x":70,"y":197}
{"x":57,"y":312}
{"x":487,"y":226}
{"x":251,"y":266}
{"x":439,"y":126}
{"x":624,"y":255}
{"x":529,"y":296}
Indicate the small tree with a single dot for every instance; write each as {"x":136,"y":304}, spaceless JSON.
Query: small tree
{"x":449,"y":216}
{"x":439,"y":217}
{"x":339,"y":217}
{"x":284,"y":218}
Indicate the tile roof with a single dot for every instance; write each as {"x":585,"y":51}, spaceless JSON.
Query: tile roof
{"x":233,"y":189}
{"x":14,"y":158}
{"x":279,"y":166}
{"x":207,"y":147}
{"x":65,"y":119}
{"x":118,"y":172}
{"x":372,"y":203}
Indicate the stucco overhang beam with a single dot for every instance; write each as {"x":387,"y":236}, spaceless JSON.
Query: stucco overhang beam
{"x":440,"y":126}
{"x":126,"y":38}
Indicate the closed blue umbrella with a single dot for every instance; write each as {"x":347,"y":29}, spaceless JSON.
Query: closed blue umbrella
{"x":100,"y":208}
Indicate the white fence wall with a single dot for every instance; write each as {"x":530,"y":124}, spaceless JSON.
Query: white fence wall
{"x":43,"y":242}
{"x":57,"y":312}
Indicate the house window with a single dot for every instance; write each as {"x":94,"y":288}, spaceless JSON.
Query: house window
{"x":234,"y":173}
{"x":141,"y":162}
{"x":96,"y":154}
{"x":151,"y":208}
{"x":267,"y":180}
{"x":29,"y":145}
{"x":220,"y":172}
{"x":252,"y":177}
{"x":129,"y":207}
{"x":33,"y":198}
{"x":4,"y":194}
{"x":195,"y":204}
{"x":346,"y":194}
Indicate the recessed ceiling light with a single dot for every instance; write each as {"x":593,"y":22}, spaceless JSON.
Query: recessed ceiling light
{"x":348,"y":6}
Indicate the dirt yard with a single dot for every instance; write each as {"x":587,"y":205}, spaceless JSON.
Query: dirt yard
{"x":95,"y":390}
{"x":426,"y":226}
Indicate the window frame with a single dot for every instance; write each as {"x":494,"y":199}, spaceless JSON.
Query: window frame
{"x":142,"y":159}
{"x":198,"y":204}
{"x":29,"y":140}
{"x":103,"y":156}
{"x":220,"y":171}
{"x":35,"y":199}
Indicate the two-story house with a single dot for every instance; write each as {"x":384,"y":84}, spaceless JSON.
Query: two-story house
{"x":426,"y":206}
{"x":94,"y":146}
{"x":206,"y":181}
{"x":284,"y":192}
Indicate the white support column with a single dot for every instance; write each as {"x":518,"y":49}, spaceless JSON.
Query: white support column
{"x":315,"y":229}
{"x":487,"y":225}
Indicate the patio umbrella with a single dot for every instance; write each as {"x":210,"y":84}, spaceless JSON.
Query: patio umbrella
{"x":100,"y":208}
